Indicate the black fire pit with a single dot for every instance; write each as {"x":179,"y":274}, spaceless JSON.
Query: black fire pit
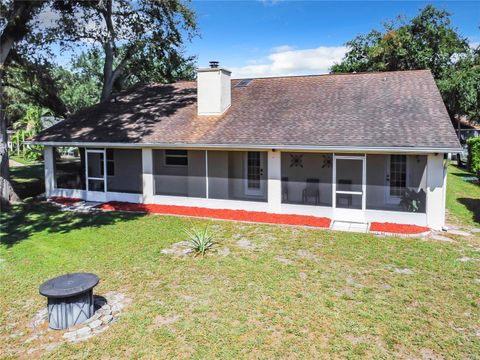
{"x":70,"y":299}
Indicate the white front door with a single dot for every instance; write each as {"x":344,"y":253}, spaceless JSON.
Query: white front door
{"x":395,"y":178}
{"x":96,"y":169}
{"x":349,"y":188}
{"x":254,"y":169}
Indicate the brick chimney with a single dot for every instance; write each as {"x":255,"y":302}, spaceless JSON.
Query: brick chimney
{"x":213,"y":90}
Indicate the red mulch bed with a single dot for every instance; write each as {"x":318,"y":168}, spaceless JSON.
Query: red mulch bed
{"x":64,"y":200}
{"x":239,"y":215}
{"x":397,"y":228}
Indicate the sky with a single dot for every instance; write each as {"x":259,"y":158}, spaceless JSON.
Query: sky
{"x":256,"y":38}
{"x":274,"y":37}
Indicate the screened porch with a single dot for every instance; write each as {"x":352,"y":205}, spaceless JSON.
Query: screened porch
{"x":348,"y":183}
{"x":389,"y":182}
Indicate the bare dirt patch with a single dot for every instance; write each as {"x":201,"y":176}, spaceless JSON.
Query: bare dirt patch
{"x":166,"y":320}
{"x":284,"y":260}
{"x":178,"y":249}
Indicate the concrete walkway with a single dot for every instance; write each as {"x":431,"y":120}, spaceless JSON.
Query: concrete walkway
{"x":13,"y":163}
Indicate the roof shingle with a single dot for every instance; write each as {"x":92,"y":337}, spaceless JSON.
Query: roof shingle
{"x":388,"y":109}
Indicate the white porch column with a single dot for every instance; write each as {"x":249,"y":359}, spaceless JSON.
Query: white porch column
{"x":49,"y":163}
{"x":274,"y":181}
{"x":147,"y":166}
{"x":436,"y":182}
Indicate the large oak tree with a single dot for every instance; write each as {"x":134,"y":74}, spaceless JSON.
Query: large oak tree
{"x":131,"y":35}
{"x":132,"y":41}
{"x":428,"y":41}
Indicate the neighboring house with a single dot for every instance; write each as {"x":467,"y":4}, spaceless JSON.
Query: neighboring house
{"x":356,"y":147}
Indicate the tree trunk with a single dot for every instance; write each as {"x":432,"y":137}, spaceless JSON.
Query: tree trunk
{"x":14,"y":31}
{"x":109,"y":48}
{"x":7,"y":194}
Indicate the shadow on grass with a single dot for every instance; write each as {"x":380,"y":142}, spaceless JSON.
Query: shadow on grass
{"x":463,"y":175}
{"x":472,"y":205}
{"x":23,"y":221}
{"x":27,"y":181}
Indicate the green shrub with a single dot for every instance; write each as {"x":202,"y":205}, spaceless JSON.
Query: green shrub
{"x":474,"y":155}
{"x":200,"y":240}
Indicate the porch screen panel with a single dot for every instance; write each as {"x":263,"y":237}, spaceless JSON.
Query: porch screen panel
{"x":307,"y":178}
{"x":124,"y":171}
{"x":237,"y":175}
{"x":179,"y":172}
{"x":349,"y":184}
{"x":69,"y":167}
{"x":396,"y":182}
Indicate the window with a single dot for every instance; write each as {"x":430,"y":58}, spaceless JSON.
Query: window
{"x":398,"y":175}
{"x":176,"y":157}
{"x":110,"y":163}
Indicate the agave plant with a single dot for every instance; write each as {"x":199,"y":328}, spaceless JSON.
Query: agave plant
{"x":412,"y":200}
{"x":200,"y":240}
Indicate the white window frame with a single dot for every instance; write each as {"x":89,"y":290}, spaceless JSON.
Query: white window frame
{"x":354,"y":215}
{"x":260,"y":191}
{"x":87,"y":177}
{"x":390,"y":199}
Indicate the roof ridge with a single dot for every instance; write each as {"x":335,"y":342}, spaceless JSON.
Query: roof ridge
{"x":335,"y":74}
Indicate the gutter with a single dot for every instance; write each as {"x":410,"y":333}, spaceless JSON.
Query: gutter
{"x":350,"y":149}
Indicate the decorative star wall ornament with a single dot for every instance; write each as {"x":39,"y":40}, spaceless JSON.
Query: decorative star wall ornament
{"x":296,"y":160}
{"x":327,"y":161}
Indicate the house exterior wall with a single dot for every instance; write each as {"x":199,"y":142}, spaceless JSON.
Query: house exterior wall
{"x":218,"y":174}
{"x":178,"y":180}
{"x":436,"y":181}
{"x":49,"y":161}
{"x":147,"y":170}
{"x":220,"y":163}
{"x":274,"y":189}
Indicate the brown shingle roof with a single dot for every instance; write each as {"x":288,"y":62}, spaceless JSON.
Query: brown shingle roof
{"x":389,"y":109}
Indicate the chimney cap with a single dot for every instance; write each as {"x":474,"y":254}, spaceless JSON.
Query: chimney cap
{"x":214,"y":64}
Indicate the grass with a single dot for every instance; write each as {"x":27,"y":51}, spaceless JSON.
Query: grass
{"x":463,"y":198}
{"x":28,"y":180}
{"x":22,"y":160}
{"x":298,"y":293}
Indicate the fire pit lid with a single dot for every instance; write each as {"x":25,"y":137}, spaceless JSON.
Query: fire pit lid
{"x":68,"y":285}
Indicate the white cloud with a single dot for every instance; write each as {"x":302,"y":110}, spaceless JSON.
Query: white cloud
{"x":285,"y":61}
{"x":282,"y":48}
{"x":474,"y":44}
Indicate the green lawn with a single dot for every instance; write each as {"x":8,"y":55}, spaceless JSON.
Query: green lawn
{"x":463,"y":199}
{"x":23,"y":161}
{"x":28,"y":180}
{"x":299,"y":293}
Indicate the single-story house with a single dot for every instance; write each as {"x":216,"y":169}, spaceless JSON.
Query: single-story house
{"x":356,"y":147}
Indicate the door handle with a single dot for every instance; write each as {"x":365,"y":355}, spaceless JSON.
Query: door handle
{"x":261,"y":172}
{"x":388,"y":178}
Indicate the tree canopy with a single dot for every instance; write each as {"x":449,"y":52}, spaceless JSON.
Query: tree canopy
{"x":131,"y":35}
{"x":115,"y":44}
{"x":427,"y":41}
{"x":123,"y":43}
